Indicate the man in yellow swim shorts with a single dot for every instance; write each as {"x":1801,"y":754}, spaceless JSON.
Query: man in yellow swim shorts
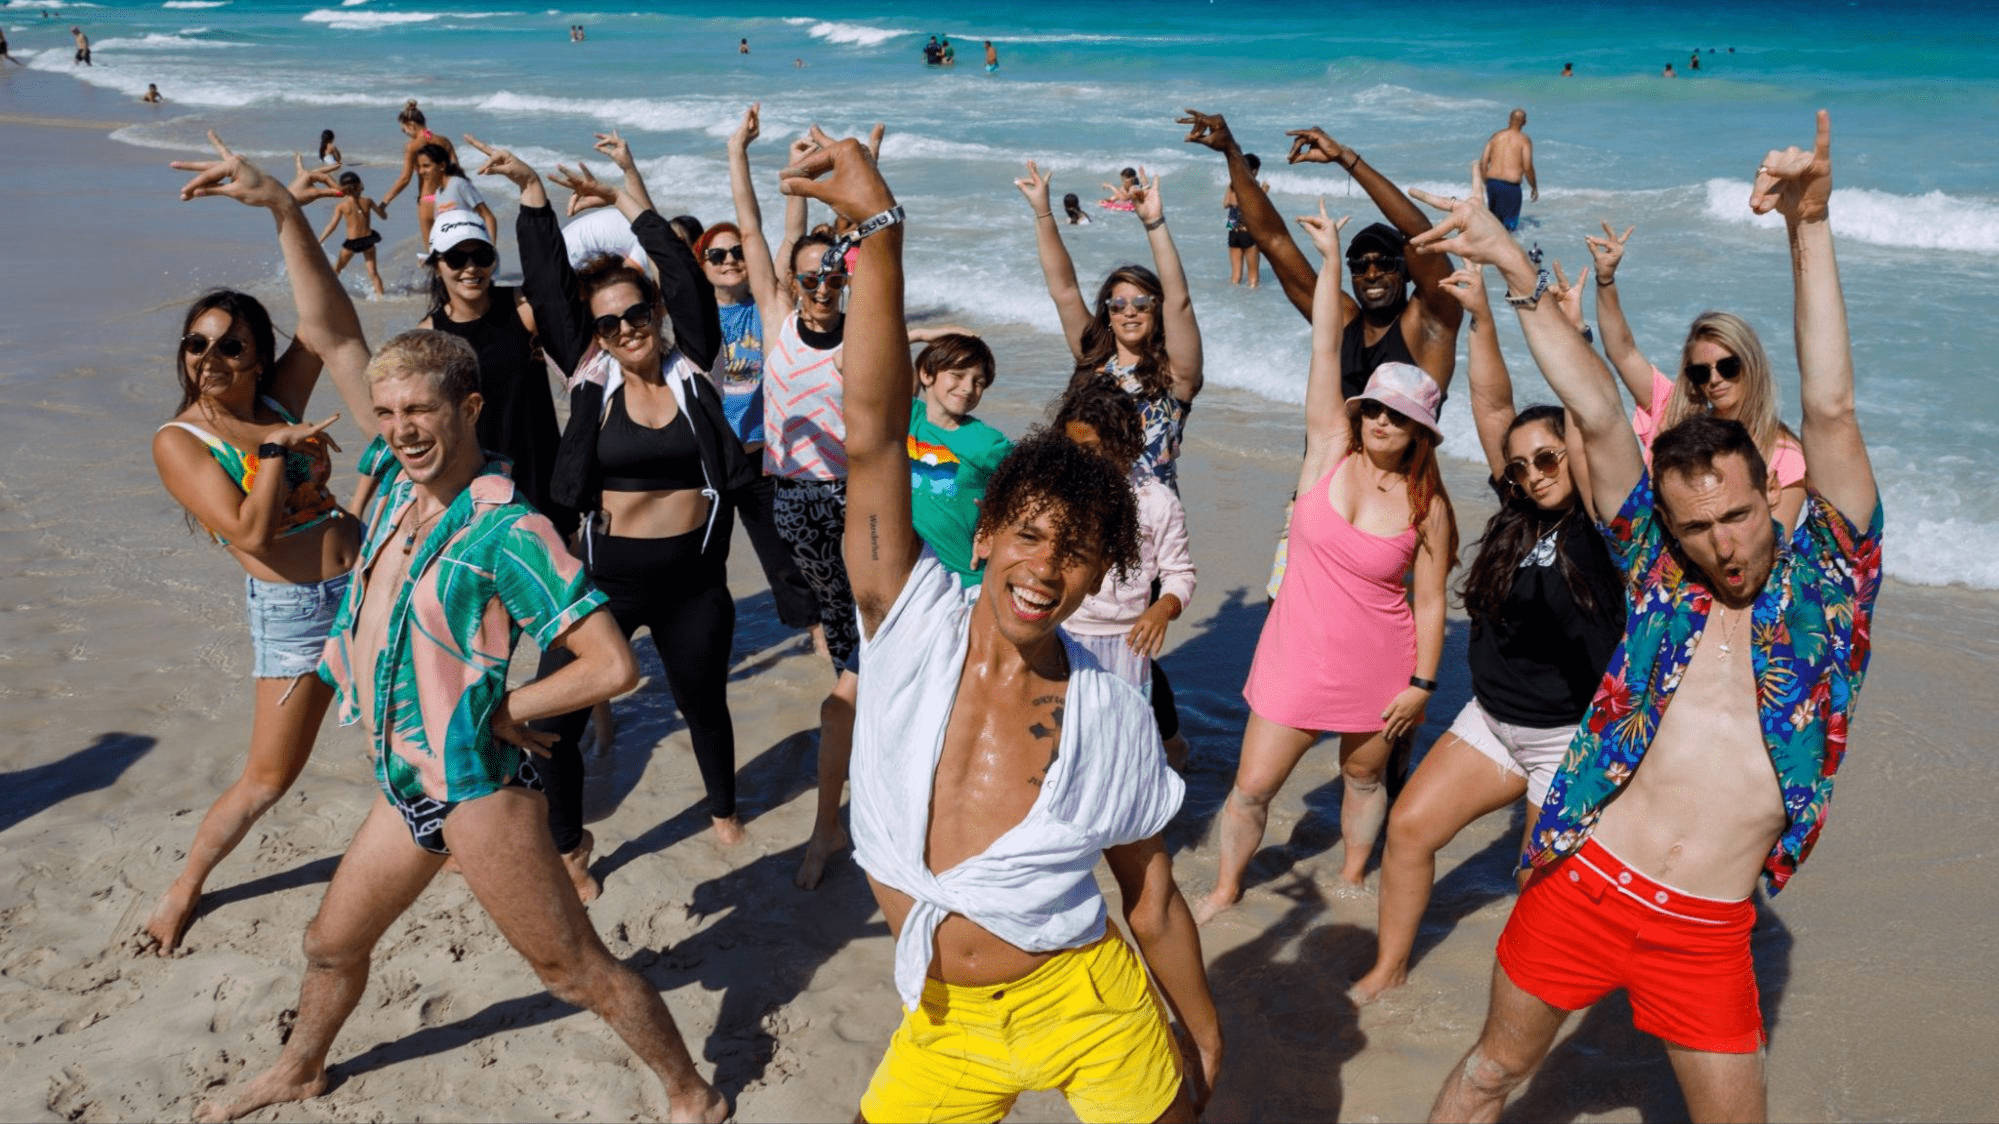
{"x":995,"y":761}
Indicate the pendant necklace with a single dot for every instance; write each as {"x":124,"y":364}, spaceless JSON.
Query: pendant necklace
{"x":1728,"y":638}
{"x":409,"y":540}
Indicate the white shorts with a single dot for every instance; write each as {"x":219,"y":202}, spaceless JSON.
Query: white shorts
{"x":1533,"y":752}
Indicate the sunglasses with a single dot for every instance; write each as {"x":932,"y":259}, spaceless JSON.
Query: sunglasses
{"x":1140,"y":303}
{"x":639,"y":316}
{"x":834,"y":282}
{"x":480,"y":255}
{"x":195,"y":345}
{"x":716,"y":255}
{"x":1371,"y":409}
{"x":1727,"y":367}
{"x":1375,"y":263}
{"x":1543,"y":463}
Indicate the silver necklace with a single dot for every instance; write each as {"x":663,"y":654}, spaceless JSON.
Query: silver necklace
{"x":1728,"y":638}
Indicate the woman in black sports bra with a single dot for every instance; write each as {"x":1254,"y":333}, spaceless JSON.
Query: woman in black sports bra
{"x":650,"y":462}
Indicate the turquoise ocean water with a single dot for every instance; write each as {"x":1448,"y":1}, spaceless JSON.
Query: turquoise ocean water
{"x":1087,"y":88}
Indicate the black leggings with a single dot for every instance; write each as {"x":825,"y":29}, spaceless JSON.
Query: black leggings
{"x":1164,"y":714}
{"x":797,"y":605}
{"x":682,"y":595}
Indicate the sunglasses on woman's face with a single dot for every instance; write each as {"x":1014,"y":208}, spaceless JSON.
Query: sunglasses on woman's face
{"x":639,"y":316}
{"x":716,"y":255}
{"x":1544,"y":463}
{"x":480,"y":255}
{"x":834,"y":282}
{"x":1140,"y":303}
{"x":1370,"y":410}
{"x":195,"y":345}
{"x":1728,"y":367}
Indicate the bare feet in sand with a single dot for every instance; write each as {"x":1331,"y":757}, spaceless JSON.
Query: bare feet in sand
{"x":276,"y":1085}
{"x":818,"y":852}
{"x":577,"y":863}
{"x":169,"y":921}
{"x":729,"y":832}
{"x":707,"y":1107}
{"x":1375,"y":984}
{"x":1213,"y":905}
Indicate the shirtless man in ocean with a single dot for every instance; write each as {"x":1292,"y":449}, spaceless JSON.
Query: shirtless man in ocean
{"x":1663,"y":817}
{"x":1509,"y":158}
{"x":995,"y":762}
{"x":82,"y":46}
{"x":454,"y":568}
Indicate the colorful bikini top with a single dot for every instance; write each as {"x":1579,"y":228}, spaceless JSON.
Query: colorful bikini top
{"x":308,"y":502}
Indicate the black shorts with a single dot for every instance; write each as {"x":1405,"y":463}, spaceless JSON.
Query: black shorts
{"x":362,"y":244}
{"x":1240,"y":239}
{"x":424,"y":816}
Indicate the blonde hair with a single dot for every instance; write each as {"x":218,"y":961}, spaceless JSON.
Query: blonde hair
{"x":1758,"y":413}
{"x":447,"y":361}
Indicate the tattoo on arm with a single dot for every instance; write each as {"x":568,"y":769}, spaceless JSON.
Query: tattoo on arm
{"x":1050,"y":730}
{"x":874,"y":538}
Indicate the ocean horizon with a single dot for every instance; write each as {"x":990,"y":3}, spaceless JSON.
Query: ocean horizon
{"x":1087,"y":91}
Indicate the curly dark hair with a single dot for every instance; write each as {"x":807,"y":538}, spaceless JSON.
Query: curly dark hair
{"x":1104,"y":406}
{"x":1087,"y":498}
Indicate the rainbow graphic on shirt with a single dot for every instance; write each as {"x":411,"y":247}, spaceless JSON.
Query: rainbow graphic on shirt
{"x":933,"y":468}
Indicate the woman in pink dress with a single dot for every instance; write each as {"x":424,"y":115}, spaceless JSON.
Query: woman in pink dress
{"x":1342,"y":651}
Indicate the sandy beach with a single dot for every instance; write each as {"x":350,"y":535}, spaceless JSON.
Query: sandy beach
{"x":124,"y":676}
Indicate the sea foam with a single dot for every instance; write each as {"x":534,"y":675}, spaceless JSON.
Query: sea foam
{"x":1934,"y":221}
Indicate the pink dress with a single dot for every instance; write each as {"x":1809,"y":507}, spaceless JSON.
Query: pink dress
{"x":1340,"y":643}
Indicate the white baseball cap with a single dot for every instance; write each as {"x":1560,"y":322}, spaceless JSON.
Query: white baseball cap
{"x":455,"y":226}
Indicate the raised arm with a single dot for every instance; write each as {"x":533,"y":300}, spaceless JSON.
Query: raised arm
{"x":1619,"y":345}
{"x":329,"y":330}
{"x":547,"y":280}
{"x":1056,"y":267}
{"x":765,"y":288}
{"x":1314,"y":146}
{"x":1327,"y":434}
{"x":1169,"y":941}
{"x":881,"y":543}
{"x":1798,"y":185}
{"x":1565,"y":359}
{"x":1182,"y":330}
{"x":1273,"y":237}
{"x":1491,"y":386}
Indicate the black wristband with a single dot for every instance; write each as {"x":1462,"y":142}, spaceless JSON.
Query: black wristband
{"x":1588,"y":336}
{"x":1156,"y":223}
{"x":270,"y":450}
{"x":1423,"y":684}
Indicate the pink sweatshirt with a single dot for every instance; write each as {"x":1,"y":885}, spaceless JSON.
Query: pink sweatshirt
{"x":1162,"y":554}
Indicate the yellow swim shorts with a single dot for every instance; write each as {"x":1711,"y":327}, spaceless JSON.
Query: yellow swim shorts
{"x":1086,"y":1022}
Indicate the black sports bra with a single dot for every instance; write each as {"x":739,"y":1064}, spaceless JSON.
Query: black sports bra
{"x":637,"y":458}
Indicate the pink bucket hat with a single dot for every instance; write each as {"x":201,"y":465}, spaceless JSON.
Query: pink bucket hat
{"x":1407,"y":389}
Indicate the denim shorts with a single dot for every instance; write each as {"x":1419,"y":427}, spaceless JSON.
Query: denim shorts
{"x":289,"y":623}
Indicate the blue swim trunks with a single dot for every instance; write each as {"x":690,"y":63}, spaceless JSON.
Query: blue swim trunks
{"x":1503,"y":199}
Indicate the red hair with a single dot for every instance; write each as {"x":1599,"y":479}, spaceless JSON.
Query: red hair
{"x":707,"y":238}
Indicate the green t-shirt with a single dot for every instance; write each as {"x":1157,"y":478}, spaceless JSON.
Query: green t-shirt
{"x":948,"y":470}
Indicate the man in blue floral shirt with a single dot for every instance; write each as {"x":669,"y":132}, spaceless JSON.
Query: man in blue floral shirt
{"x":1708,"y":754}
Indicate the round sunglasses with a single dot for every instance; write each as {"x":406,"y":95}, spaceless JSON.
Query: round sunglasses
{"x":194,"y":345}
{"x":1728,"y":367}
{"x":639,"y":316}
{"x":1543,"y":463}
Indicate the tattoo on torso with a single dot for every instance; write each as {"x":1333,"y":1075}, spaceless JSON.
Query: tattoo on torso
{"x":1051,"y":731}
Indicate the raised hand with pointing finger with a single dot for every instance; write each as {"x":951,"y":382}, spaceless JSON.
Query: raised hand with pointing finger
{"x":1795,"y":183}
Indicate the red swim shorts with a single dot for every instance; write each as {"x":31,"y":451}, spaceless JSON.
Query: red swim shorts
{"x":1591,"y":924}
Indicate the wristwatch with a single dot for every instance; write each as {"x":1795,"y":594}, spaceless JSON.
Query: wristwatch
{"x":1422,"y":684}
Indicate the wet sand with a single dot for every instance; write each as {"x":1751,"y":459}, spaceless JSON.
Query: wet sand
{"x":124,"y":674}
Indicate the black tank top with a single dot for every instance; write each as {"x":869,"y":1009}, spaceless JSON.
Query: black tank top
{"x":637,"y":458}
{"x":1538,"y":660}
{"x":518,"y":418}
{"x":1358,"y":360}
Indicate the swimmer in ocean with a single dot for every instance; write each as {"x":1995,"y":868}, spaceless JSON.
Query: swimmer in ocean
{"x":992,"y":58}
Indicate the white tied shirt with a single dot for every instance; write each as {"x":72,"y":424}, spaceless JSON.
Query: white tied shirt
{"x":1034,"y":886}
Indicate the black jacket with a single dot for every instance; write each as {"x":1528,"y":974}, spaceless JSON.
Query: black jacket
{"x":697,"y":330}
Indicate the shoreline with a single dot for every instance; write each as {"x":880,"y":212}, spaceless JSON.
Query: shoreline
{"x":126,"y":673}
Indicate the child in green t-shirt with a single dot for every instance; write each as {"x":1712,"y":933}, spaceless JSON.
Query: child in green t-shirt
{"x":951,"y":453}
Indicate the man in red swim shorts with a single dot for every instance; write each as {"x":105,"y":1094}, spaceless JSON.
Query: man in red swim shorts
{"x":1707,"y":756}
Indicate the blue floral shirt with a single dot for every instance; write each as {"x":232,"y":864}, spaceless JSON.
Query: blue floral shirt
{"x":1809,"y":646}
